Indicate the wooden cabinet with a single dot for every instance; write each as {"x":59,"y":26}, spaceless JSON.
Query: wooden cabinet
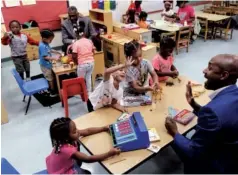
{"x":32,"y":51}
{"x":102,"y":18}
{"x":99,"y":65}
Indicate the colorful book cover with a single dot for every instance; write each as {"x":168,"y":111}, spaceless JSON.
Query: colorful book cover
{"x":123,"y":116}
{"x":153,"y":135}
{"x":184,"y":117}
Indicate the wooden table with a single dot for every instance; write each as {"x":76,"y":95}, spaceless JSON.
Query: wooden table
{"x":165,"y":26}
{"x":99,"y":67}
{"x":100,"y":143}
{"x":137,"y":34}
{"x":211,"y":17}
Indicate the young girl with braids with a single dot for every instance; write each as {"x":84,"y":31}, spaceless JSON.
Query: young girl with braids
{"x":137,"y":74}
{"x":83,"y":50}
{"x":66,"y":157}
{"x":45,"y":55}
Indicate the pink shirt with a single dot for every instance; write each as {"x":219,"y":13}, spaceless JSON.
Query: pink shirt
{"x":162,"y":65}
{"x":61,"y":163}
{"x":84,"y":48}
{"x":186,"y":13}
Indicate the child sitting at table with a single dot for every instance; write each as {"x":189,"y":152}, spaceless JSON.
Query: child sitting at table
{"x":137,"y":74}
{"x":163,"y":61}
{"x":142,"y":20}
{"x":83,"y":50}
{"x":168,"y":13}
{"x":186,"y":13}
{"x":66,"y":157}
{"x":45,"y":55}
{"x":18,"y":43}
{"x":131,"y":18}
{"x":109,"y":92}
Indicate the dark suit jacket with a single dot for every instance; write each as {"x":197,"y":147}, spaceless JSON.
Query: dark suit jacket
{"x":68,"y":33}
{"x":214,"y":146}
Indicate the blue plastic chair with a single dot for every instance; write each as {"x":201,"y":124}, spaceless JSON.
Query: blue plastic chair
{"x":30,"y":88}
{"x":7,"y":168}
{"x":42,"y":172}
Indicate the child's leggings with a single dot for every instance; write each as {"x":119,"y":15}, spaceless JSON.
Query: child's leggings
{"x":85,"y":71}
{"x":22,"y":65}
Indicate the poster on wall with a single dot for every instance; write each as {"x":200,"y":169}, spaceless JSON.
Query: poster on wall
{"x":12,"y":3}
{"x":28,"y":2}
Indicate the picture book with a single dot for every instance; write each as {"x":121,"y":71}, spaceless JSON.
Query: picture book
{"x":184,"y":117}
{"x":153,"y":135}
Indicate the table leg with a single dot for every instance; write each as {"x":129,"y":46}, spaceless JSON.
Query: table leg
{"x":58,"y":83}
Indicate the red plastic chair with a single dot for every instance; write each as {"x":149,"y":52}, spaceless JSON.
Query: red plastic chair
{"x":71,"y":87}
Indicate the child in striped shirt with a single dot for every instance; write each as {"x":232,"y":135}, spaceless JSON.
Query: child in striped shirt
{"x":18,"y":42}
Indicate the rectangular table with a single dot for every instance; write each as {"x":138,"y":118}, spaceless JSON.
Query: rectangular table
{"x":165,"y":26}
{"x":100,"y":143}
{"x":211,"y":17}
{"x":99,"y":66}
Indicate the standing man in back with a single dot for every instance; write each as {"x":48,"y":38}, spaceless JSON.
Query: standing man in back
{"x":70,"y":27}
{"x":214,"y":146}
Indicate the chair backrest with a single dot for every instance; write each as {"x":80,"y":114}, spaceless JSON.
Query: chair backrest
{"x":19,"y":80}
{"x":75,"y":86}
{"x":207,"y":11}
{"x":7,"y":168}
{"x":203,"y":22}
{"x":169,"y":34}
{"x":217,"y":3}
{"x":185,"y":32}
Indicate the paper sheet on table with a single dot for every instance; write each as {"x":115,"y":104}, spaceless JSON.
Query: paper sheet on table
{"x":12,"y":3}
{"x":28,"y":2}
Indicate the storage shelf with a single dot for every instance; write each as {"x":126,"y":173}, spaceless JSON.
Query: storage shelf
{"x":97,"y":21}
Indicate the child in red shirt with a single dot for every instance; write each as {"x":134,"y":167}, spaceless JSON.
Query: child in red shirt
{"x":163,"y":61}
{"x":18,"y":42}
{"x":185,"y":13}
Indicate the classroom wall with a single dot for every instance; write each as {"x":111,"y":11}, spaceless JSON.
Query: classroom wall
{"x":82,"y":5}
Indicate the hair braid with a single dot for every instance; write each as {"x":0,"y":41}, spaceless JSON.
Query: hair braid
{"x":59,"y":133}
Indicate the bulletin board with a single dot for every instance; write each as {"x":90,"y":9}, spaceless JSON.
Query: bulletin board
{"x":46,"y":13}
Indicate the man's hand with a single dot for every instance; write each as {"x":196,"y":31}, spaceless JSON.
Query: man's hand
{"x":171,"y":126}
{"x":189,"y":94}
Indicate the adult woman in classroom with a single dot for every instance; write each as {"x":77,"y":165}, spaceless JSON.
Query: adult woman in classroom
{"x":186,"y":13}
{"x":136,"y":7}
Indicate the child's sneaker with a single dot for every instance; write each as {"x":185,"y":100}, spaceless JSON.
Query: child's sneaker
{"x":53,"y":94}
{"x":28,"y":79}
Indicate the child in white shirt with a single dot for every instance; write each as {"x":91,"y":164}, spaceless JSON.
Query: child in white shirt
{"x":109,"y":93}
{"x":168,"y":13}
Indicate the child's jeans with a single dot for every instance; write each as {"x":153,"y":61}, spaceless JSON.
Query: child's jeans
{"x":85,"y":71}
{"x":22,"y":65}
